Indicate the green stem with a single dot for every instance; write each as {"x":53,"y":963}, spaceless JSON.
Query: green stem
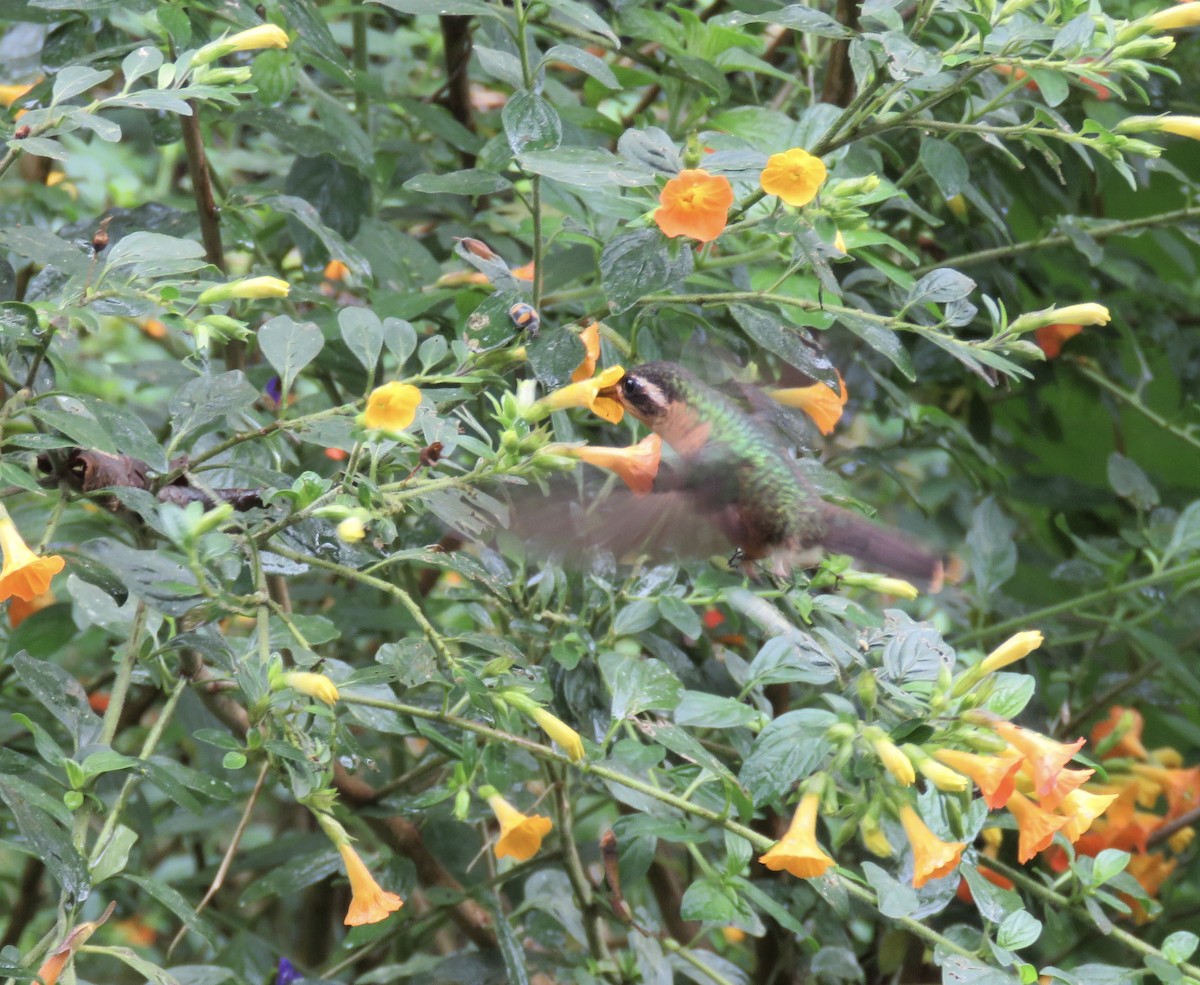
{"x":1070,"y":605}
{"x":1131,"y":399}
{"x":535,"y":182}
{"x":120,"y":688}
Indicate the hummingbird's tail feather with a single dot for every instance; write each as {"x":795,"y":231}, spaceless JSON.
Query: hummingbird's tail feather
{"x":880,"y":548}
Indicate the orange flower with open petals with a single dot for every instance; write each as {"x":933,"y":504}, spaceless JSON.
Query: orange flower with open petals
{"x":996,"y":776}
{"x":1180,"y":786}
{"x":590,"y":337}
{"x":795,"y":176}
{"x":586,"y":393}
{"x":1037,"y":827}
{"x":1051,"y":338}
{"x":797,"y":851}
{"x":1046,"y":757}
{"x":1081,"y":809}
{"x":369,"y":902}
{"x":20,"y":609}
{"x":520,"y":834}
{"x":818,"y":401}
{"x":24,"y":575}
{"x":932,"y":857}
{"x":1128,"y":723}
{"x":696,"y":204}
{"x":637,"y":465}
{"x":392,"y":407}
{"x":1064,"y":783}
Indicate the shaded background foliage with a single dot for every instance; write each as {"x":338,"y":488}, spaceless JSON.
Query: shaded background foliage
{"x":378,"y":139}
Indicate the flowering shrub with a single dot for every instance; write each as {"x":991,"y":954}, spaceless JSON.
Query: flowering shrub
{"x":375,"y":612}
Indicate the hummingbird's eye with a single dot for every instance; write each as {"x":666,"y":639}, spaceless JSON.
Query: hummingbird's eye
{"x":631,"y":386}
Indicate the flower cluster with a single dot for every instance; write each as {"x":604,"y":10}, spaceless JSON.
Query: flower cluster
{"x":1011,"y":767}
{"x":1150,"y":791}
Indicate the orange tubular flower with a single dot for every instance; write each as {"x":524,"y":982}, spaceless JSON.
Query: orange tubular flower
{"x":1081,"y":809}
{"x":695,"y":204}
{"x":818,"y":401}
{"x":637,"y":465}
{"x":1181,"y":787}
{"x":1046,"y":757}
{"x":996,"y":776}
{"x":932,"y":857}
{"x":797,"y":851}
{"x":795,"y":176}
{"x":1064,"y":783}
{"x":590,"y":337}
{"x":369,"y":902}
{"x":1051,"y":338}
{"x":1037,"y":827}
{"x":24,"y":575}
{"x":20,"y":609}
{"x":1128,"y":723}
{"x":520,"y":834}
{"x":1152,"y":871}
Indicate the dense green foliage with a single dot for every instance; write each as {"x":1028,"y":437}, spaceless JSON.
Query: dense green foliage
{"x":383,"y":183}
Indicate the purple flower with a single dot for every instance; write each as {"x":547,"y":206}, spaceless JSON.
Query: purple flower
{"x":287,"y":971}
{"x":274,"y":390}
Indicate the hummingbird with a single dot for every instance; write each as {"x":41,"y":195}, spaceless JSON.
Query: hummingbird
{"x":736,"y":478}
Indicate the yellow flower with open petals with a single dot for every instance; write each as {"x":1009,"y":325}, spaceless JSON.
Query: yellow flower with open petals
{"x":637,"y":465}
{"x":586,"y":393}
{"x":795,"y":176}
{"x":369,"y":902}
{"x":932,"y":857}
{"x":24,"y":575}
{"x":797,"y":851}
{"x":520,"y":834}
{"x":392,"y":407}
{"x":818,"y":401}
{"x":695,"y":204}
{"x":1081,"y":808}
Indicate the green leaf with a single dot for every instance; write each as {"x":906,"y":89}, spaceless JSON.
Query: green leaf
{"x":141,"y":61}
{"x":289,"y":346}
{"x":1009,"y":693}
{"x":895,"y":898}
{"x":992,"y":547}
{"x":583,"y":60}
{"x":993,"y":902}
{"x":1180,"y":946}
{"x":115,"y":854}
{"x":60,"y":694}
{"x":946,"y":166}
{"x":530,"y":123}
{"x":882,"y":340}
{"x":156,"y":255}
{"x":791,"y":343}
{"x":586,"y":167}
{"x":1130,"y":482}
{"x":75,"y":79}
{"x":798,"y":16}
{"x":641,"y":262}
{"x":680,"y":615}
{"x":790,"y":748}
{"x":50,"y":843}
{"x":1107,"y":864}
{"x":940,"y":286}
{"x":708,"y":900}
{"x":443,"y":7}
{"x":585,"y":17}
{"x":639,"y":684}
{"x":502,"y":65}
{"x":362,"y":331}
{"x":341,"y":196}
{"x":207,"y":398}
{"x":470,"y":182}
{"x":1017,"y":930}
{"x":703,"y":710}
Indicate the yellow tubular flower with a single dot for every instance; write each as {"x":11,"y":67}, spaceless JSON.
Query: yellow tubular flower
{"x":637,"y":465}
{"x":520,"y":834}
{"x":369,"y":902}
{"x":1088,"y":313}
{"x":1182,"y":126}
{"x":893,"y":759}
{"x":392,"y":407}
{"x":795,"y":176}
{"x":941,"y":776}
{"x":560,"y":732}
{"x":1174,"y":18}
{"x":1036,"y":826}
{"x":797,"y":851}
{"x":932,"y":857}
{"x":818,"y":401}
{"x":250,"y":287}
{"x":1064,"y":783}
{"x":314,"y":685}
{"x":1011,"y":650}
{"x":874,"y":838}
{"x":255,"y":39}
{"x":1081,"y":809}
{"x":586,"y":393}
{"x":9,"y":94}
{"x":24,"y":575}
